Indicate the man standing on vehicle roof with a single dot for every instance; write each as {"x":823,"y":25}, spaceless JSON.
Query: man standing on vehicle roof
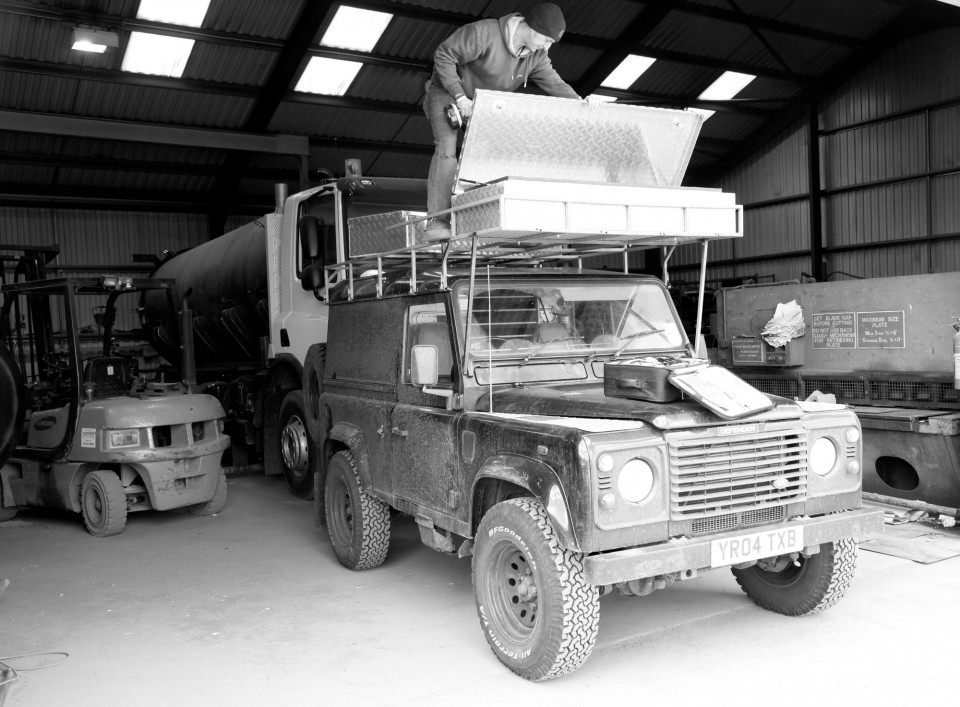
{"x":501,"y":55}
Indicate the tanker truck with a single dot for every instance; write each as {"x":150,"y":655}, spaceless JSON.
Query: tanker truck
{"x":259,"y":305}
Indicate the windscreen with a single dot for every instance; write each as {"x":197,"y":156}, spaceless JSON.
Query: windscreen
{"x":522,"y":321}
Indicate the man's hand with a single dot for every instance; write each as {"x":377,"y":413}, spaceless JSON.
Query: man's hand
{"x":593,"y":100}
{"x":466,"y":106}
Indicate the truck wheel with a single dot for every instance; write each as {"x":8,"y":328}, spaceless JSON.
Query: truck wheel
{"x":359,"y":524}
{"x":537,"y":611}
{"x":216,"y":503}
{"x":806,"y":585}
{"x":295,"y":445}
{"x":103,"y":503}
{"x":312,"y":388}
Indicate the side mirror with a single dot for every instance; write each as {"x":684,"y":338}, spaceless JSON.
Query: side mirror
{"x":310,"y":238}
{"x":424,"y":365}
{"x":311,"y":279}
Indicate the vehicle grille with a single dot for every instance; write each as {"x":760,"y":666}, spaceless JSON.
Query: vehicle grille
{"x":713,"y":475}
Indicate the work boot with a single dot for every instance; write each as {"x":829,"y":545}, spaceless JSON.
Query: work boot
{"x":437,"y":230}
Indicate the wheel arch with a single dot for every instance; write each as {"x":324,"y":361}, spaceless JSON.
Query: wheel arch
{"x":346,"y":436}
{"x":505,"y":476}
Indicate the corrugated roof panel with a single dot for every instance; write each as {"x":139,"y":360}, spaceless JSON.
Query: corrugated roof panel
{"x":141,"y":152}
{"x":35,"y":92}
{"x":396,"y":165}
{"x":467,"y":7}
{"x":230,"y":64}
{"x":133,"y":181}
{"x":388,"y":84}
{"x":415,"y":131}
{"x":598,"y":18}
{"x":25,"y":174}
{"x":730,"y":126}
{"x":802,"y":55}
{"x":413,"y":39}
{"x":849,"y":18}
{"x":572,"y":61}
{"x":669,"y":78}
{"x":274,"y":19}
{"x":160,"y":105}
{"x":699,"y":36}
{"x":309,"y":119}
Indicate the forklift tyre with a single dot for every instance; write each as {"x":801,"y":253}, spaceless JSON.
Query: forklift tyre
{"x":103,"y":503}
{"x":296,"y":448}
{"x":806,"y":585}
{"x":14,"y":398}
{"x":359,"y":524}
{"x":215,"y":504}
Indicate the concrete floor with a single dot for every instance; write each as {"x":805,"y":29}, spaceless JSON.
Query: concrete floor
{"x":251,"y":608}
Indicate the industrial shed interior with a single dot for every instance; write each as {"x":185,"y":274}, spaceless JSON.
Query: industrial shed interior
{"x":824,"y":151}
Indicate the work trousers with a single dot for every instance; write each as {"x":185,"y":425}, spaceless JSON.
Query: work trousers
{"x":443,"y":166}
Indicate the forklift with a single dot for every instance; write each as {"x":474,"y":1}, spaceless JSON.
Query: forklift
{"x":87,"y":432}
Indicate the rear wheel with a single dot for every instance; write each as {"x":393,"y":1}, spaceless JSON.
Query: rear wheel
{"x":537,"y":610}
{"x":798,"y":585}
{"x":103,"y":503}
{"x":359,"y":524}
{"x":216,"y":503}
{"x":296,"y":448}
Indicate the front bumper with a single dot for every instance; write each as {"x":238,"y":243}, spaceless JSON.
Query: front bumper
{"x":694,"y":553}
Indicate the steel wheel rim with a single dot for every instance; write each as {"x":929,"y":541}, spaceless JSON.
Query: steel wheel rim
{"x":93,"y":504}
{"x":787,"y":576}
{"x":294,"y":446}
{"x":514,"y":597}
{"x":341,"y":520}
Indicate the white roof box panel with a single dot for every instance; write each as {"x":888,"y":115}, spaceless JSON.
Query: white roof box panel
{"x":541,"y":137}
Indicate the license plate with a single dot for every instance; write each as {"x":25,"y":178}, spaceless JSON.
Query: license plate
{"x":756,"y":546}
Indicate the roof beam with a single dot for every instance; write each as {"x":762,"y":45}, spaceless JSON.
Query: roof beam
{"x":129,"y":131}
{"x":94,"y":198}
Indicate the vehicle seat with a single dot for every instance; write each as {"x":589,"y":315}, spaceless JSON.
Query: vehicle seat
{"x":110,"y":376}
{"x":550,"y":331}
{"x":435,"y":334}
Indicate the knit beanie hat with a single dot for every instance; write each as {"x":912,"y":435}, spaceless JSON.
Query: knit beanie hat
{"x":547,"y":19}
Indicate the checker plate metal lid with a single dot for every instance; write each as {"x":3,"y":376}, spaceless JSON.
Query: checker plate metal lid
{"x":541,"y":137}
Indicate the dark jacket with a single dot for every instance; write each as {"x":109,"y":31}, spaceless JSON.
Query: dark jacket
{"x":477,"y":56}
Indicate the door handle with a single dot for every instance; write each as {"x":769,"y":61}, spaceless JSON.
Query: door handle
{"x":398,"y":432}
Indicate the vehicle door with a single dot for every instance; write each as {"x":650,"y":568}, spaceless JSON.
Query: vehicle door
{"x":424,"y":429}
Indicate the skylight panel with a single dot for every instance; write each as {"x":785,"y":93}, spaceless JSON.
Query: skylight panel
{"x":175,"y":12}
{"x":724,"y":88}
{"x":353,"y":28}
{"x":630,"y":69}
{"x":156,"y":54}
{"x":604,"y":99}
{"x":328,"y":76}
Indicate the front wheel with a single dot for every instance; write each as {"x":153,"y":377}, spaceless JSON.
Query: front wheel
{"x":359,"y":524}
{"x":796,"y":586}
{"x":537,"y":610}
{"x":295,"y":446}
{"x":103,"y":503}
{"x":216,"y":503}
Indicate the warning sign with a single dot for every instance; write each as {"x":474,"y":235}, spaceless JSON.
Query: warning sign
{"x":880,"y":330}
{"x":834,"y":330}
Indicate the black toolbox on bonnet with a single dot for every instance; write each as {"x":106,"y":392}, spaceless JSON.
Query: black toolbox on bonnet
{"x":639,"y":381}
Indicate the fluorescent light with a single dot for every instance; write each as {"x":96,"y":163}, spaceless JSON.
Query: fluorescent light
{"x":352,"y":28}
{"x":724,"y":88}
{"x":952,"y":2}
{"x":727,"y":86}
{"x":630,"y":69}
{"x":156,"y":54}
{"x":91,"y":40}
{"x":328,"y":76}
{"x":174,"y":12}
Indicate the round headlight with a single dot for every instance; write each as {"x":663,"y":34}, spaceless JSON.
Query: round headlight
{"x":605,"y":463}
{"x":852,"y":434}
{"x":823,"y":456}
{"x":635,"y":481}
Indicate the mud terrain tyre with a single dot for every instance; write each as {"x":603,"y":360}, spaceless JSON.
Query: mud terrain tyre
{"x":359,"y":524}
{"x":807,"y":585}
{"x":216,"y":502}
{"x":312,"y":389}
{"x":537,"y":611}
{"x":103,"y":503}
{"x":296,"y":449}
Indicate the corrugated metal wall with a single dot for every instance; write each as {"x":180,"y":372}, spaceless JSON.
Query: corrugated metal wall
{"x":890,"y":175}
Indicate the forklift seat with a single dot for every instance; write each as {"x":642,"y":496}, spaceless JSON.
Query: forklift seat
{"x":111,"y":376}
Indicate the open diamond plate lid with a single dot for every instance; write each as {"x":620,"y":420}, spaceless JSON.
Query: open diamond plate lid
{"x":541,"y":137}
